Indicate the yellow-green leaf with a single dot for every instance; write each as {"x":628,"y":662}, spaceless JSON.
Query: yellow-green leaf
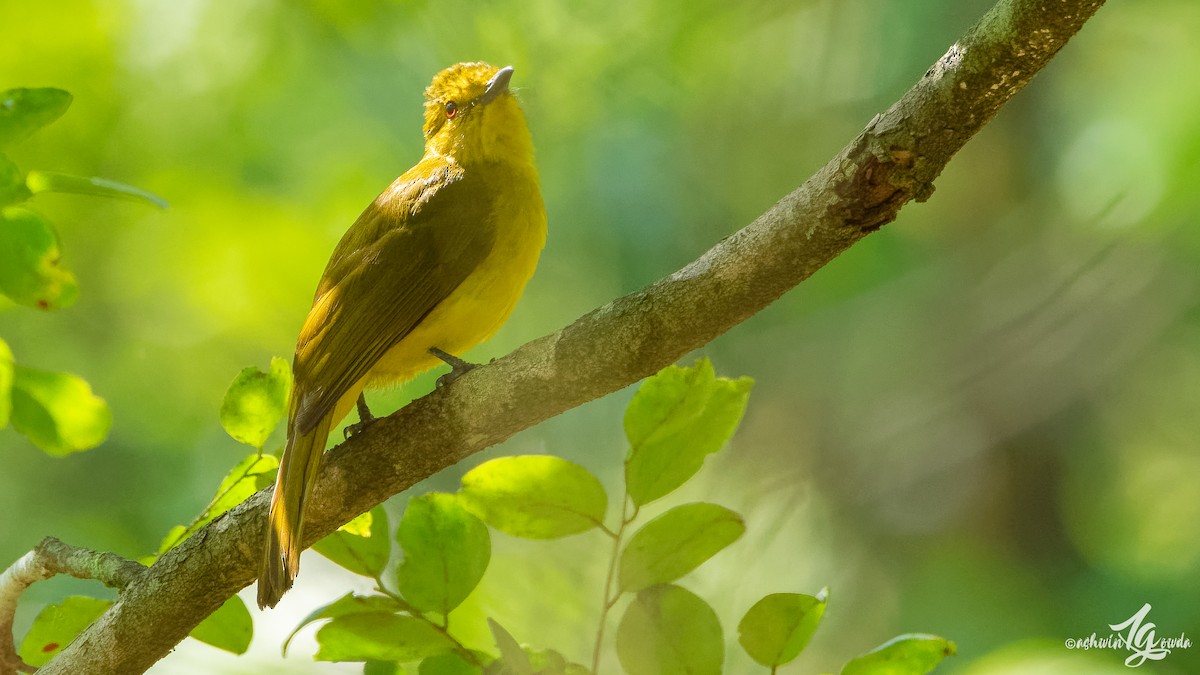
{"x":379,"y":636}
{"x":669,"y":630}
{"x":343,"y":606}
{"x":57,"y":411}
{"x":12,"y":183}
{"x":513,"y":659}
{"x":448,"y":664}
{"x":676,"y":543}
{"x":446,"y":551}
{"x":24,"y":111}
{"x":365,"y":555}
{"x":535,"y":496}
{"x":778,"y":627}
{"x":675,"y":420}
{"x":360,"y":525}
{"x":550,"y":662}
{"x":229,"y":628}
{"x":383,"y":668}
{"x":255,"y":402}
{"x":53,"y":181}
{"x":57,"y":625}
{"x":30,"y":270}
{"x":912,"y":654}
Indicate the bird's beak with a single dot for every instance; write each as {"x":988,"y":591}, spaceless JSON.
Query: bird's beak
{"x":497,"y":85}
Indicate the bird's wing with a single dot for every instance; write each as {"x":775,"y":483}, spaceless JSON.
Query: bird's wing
{"x":405,"y":254}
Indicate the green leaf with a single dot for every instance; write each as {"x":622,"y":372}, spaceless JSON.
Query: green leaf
{"x":676,"y":543}
{"x":517,"y":660}
{"x":229,"y":628}
{"x":30,"y":273}
{"x":535,"y":496}
{"x":778,"y":627}
{"x":255,"y":403}
{"x":446,"y":551}
{"x":912,"y":654}
{"x":360,"y":525}
{"x":6,"y":380}
{"x":53,"y":181}
{"x":24,"y":111}
{"x":513,"y":659}
{"x":382,"y":668}
{"x":379,"y":636}
{"x":550,"y":662}
{"x":448,"y":664}
{"x":669,"y":630}
{"x":675,"y":420}
{"x":250,"y":475}
{"x":12,"y":183}
{"x":57,"y":411}
{"x":365,"y":555}
{"x":57,"y":625}
{"x":344,"y":606}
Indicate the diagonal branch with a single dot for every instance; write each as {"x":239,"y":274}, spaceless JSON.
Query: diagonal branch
{"x":893,"y":161}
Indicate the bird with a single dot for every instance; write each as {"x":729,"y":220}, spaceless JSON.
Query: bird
{"x":431,"y":268}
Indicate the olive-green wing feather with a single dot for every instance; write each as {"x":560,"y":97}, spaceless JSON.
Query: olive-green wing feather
{"x":405,"y":254}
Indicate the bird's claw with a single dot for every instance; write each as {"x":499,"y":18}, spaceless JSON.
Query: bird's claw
{"x":458,"y":367}
{"x":365,"y":419}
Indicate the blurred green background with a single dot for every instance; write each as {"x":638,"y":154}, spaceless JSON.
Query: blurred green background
{"x":979,"y":422}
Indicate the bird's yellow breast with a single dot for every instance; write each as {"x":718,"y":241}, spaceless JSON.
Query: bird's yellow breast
{"x":475,"y":310}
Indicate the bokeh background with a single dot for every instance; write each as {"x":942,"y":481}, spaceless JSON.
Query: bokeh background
{"x":980,"y":422}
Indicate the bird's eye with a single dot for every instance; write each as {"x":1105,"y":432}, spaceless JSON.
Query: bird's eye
{"x":451,"y":109}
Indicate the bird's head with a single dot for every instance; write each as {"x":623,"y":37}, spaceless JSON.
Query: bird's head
{"x":471,"y":116}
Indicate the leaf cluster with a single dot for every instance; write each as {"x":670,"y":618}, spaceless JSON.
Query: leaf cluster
{"x":57,"y":412}
{"x":676,"y":419}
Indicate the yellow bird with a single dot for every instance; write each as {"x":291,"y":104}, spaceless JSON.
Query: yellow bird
{"x":433,"y":266}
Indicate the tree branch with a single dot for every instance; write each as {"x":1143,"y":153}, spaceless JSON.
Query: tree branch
{"x":47,"y":559}
{"x":893,"y":161}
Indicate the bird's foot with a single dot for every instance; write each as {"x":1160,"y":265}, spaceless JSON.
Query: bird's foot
{"x":458,"y":367}
{"x":365,"y":419}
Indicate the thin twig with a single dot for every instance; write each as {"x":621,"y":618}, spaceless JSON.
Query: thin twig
{"x":627,"y":517}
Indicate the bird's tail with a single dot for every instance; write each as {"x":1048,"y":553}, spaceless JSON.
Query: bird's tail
{"x":297,"y":474}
